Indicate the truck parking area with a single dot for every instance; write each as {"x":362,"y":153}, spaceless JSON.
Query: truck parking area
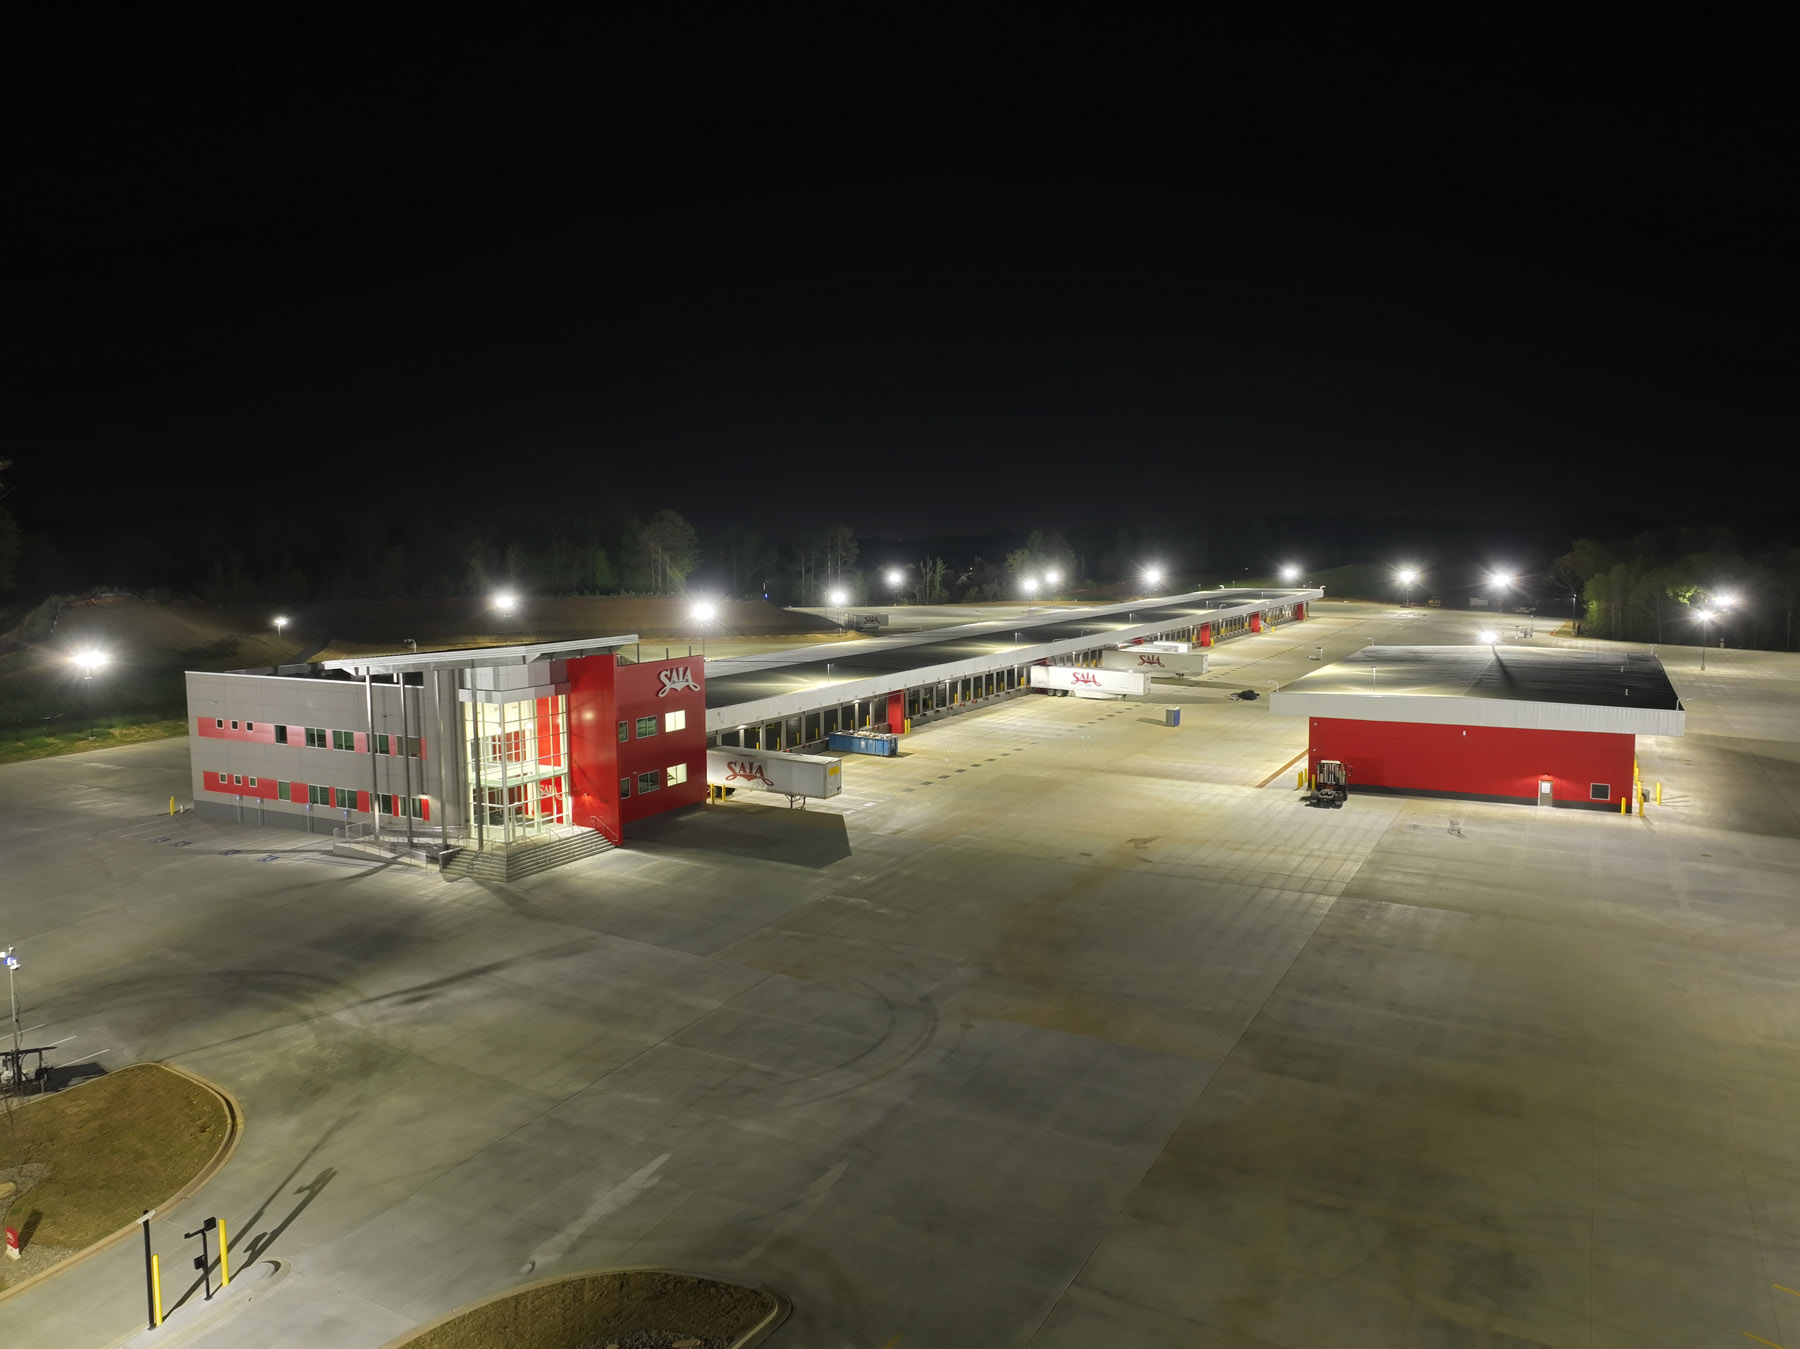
{"x":1060,"y":1027}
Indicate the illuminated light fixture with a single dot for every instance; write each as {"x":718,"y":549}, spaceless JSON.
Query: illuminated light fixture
{"x":505,"y":601}
{"x":1726,"y":600}
{"x":280,"y":623}
{"x":1407,"y":575}
{"x":896,"y":577}
{"x":89,"y":661}
{"x":838,"y":598}
{"x":1029,"y":585}
{"x":1500,"y":579}
{"x":1052,"y":577}
{"x":1487,"y":636}
{"x":704,"y":611}
{"x":1153,"y":576}
{"x":1290,"y":573}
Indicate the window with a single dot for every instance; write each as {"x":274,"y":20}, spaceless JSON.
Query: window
{"x":284,"y":791}
{"x":237,"y":779}
{"x":675,"y":721}
{"x":251,"y":783}
{"x":381,"y":744}
{"x":646,"y":726}
{"x":281,"y":735}
{"x":345,"y":740}
{"x":414,"y":747}
{"x":249,"y":725}
{"x":318,"y":796}
{"x":624,"y":783}
{"x":624,"y":731}
{"x":1599,"y":791}
{"x":315,"y":738}
{"x":234,"y":726}
{"x":346,"y":798}
{"x":646,"y":783}
{"x":676,"y":776}
{"x":219,"y":723}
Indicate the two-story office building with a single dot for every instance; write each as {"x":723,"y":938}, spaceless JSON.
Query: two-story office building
{"x":482,"y":747}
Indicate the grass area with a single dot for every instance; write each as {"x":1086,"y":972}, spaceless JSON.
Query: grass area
{"x":644,"y":1306}
{"x":75,"y":741}
{"x":103,"y":1152}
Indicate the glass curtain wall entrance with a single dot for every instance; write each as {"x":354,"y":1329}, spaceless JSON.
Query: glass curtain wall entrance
{"x":518,"y":767}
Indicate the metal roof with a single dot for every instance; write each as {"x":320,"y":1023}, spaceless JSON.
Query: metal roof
{"x":742,"y":690}
{"x":1545,"y":688}
{"x":523,"y":654}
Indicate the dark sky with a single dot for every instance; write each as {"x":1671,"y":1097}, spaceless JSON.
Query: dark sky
{"x":926,"y":281}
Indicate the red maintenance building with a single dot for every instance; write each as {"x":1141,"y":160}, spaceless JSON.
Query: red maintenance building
{"x":1537,"y":725}
{"x":476,"y":751}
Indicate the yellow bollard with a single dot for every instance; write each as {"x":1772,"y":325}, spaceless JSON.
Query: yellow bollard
{"x":224,"y":1257}
{"x":1624,"y":805}
{"x":171,"y":805}
{"x":1300,"y":779}
{"x":156,"y":1291}
{"x":1659,"y":793}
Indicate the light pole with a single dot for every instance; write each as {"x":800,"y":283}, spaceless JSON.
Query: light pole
{"x":90,"y":662}
{"x":1705,"y":617}
{"x":1052,"y":578}
{"x":704,"y":611}
{"x":1723,"y":604}
{"x":1029,"y":585}
{"x":895,"y":579}
{"x":506,"y":603}
{"x":12,"y":990}
{"x":838,"y":600}
{"x":280,"y":623}
{"x":1406,"y":576}
{"x":1152,"y":577}
{"x":1501,"y":583}
{"x":1290,"y":574}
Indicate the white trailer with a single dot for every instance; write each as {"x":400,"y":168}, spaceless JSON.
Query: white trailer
{"x":795,"y":776}
{"x":1155,"y":661}
{"x":1086,"y":683}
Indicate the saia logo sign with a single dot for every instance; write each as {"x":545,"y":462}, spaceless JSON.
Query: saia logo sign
{"x":1086,"y":677}
{"x":1150,"y":660}
{"x":746,"y":770}
{"x":674,"y":681}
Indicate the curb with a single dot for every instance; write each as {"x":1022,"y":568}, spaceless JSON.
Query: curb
{"x":234,"y":1133}
{"x":757,"y":1333}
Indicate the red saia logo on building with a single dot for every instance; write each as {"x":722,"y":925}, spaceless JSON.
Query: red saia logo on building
{"x":1086,"y":677}
{"x":1150,"y":660}
{"x":746,"y":770}
{"x":673,"y":681}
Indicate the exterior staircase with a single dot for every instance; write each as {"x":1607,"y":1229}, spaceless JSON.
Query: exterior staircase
{"x":522,"y":859}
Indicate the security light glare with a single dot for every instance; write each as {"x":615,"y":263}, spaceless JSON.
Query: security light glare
{"x":280,"y":622}
{"x":705,"y":611}
{"x":895,"y":576}
{"x":1153,"y":575}
{"x":1500,"y":578}
{"x":1705,"y":615}
{"x":1488,"y":636}
{"x":1290,"y":573}
{"x":506,"y":601}
{"x":1408,"y":575}
{"x":1726,"y":600}
{"x":1052,"y":576}
{"x":838,"y":597}
{"x":1029,"y":585}
{"x":88,"y":661}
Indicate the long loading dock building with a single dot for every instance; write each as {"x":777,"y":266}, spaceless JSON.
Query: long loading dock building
{"x":794,"y":700}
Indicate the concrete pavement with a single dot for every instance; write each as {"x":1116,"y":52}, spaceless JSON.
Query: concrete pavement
{"x":1058,"y":1028}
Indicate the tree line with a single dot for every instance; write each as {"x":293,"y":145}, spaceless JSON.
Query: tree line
{"x":1656,"y":586}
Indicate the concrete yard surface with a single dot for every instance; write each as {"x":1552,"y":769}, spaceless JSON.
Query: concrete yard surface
{"x":1062,"y":1028}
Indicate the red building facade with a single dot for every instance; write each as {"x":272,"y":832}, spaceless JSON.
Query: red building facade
{"x":637,"y":739}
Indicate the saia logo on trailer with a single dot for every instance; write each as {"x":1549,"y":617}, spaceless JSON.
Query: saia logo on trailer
{"x":1150,"y":660}
{"x":673,"y":681}
{"x":1086,"y":677}
{"x":746,"y":770}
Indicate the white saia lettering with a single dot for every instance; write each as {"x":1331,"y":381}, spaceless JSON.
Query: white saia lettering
{"x":673,"y":681}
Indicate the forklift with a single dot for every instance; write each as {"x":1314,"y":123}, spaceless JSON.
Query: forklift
{"x":1331,"y":788}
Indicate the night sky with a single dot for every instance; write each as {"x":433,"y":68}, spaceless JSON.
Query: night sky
{"x":927,"y":282}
